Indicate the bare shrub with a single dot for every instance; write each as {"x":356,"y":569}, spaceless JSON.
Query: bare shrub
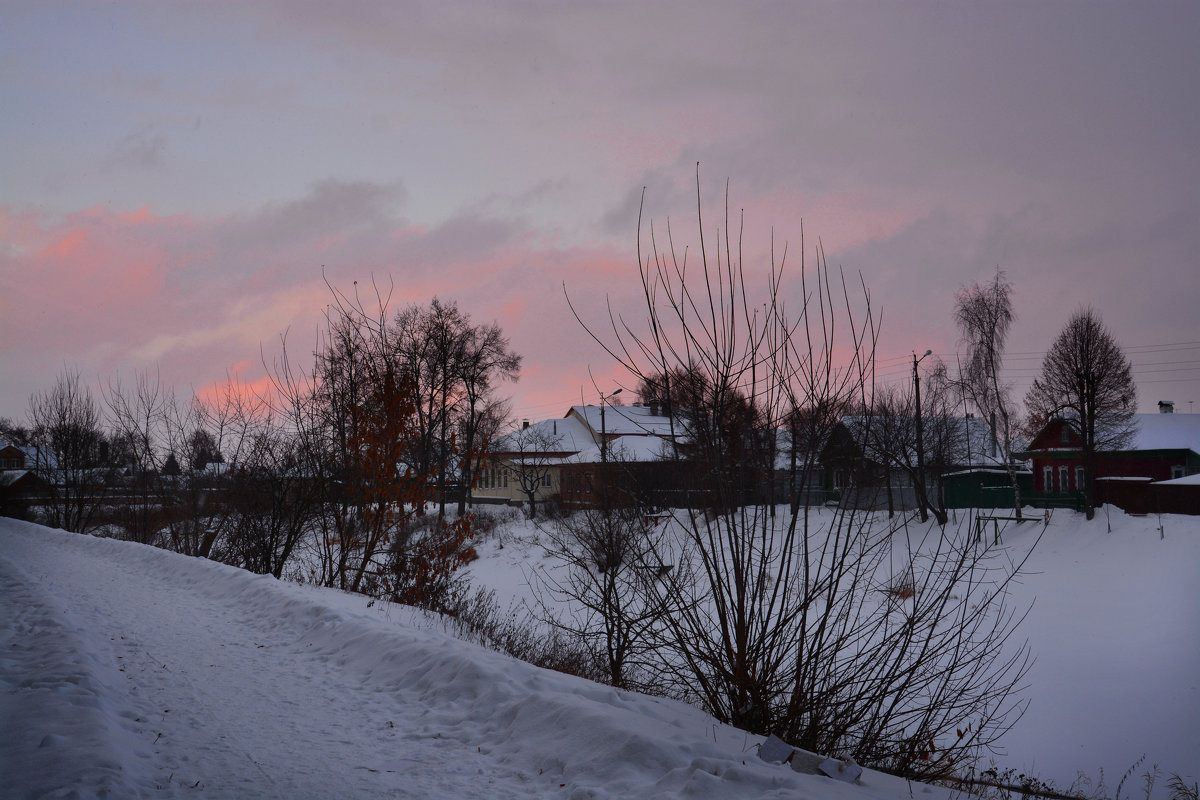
{"x":477,"y":617}
{"x":773,"y":621}
{"x":595,"y":595}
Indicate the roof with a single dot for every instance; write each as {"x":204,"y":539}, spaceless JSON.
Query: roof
{"x":986,"y":471}
{"x":1151,"y":432}
{"x":559,"y":436}
{"x":626,"y":449}
{"x":970,"y":438}
{"x":1186,"y":480}
{"x":634,"y":434}
{"x":623,"y":420}
{"x":13,"y":476}
{"x":1167,"y":432}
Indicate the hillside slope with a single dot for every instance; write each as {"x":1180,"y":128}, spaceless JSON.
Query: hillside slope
{"x":133,"y":672}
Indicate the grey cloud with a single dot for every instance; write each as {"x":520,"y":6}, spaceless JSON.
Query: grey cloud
{"x":331,"y":207}
{"x":142,"y":149}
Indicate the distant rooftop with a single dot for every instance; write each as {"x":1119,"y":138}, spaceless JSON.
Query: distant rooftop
{"x":624,"y":420}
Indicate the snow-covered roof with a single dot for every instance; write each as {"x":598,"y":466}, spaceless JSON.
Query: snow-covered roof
{"x":969,"y":445}
{"x":1186,"y":480}
{"x":561,"y":436}
{"x":1167,"y":432}
{"x":623,"y":420}
{"x":627,"y":448}
{"x":986,"y":471}
{"x":39,"y":457}
{"x":11,"y":476}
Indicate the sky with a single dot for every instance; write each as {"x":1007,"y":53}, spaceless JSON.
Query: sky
{"x":178,"y":181}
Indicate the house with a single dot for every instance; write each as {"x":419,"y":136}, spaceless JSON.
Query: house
{"x":12,"y":457}
{"x":568,"y":457}
{"x":1164,"y":446}
{"x":871,"y":461}
{"x":17,"y":483}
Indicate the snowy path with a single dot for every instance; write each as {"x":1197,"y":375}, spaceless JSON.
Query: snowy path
{"x":131,"y":672}
{"x":205,"y":693}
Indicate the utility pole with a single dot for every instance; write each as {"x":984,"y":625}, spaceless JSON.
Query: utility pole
{"x":603,"y":429}
{"x":921,"y":498}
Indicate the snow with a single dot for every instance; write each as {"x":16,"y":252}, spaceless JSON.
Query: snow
{"x":558,"y":436}
{"x":1166,"y":432}
{"x":624,"y":420}
{"x":1114,"y":624}
{"x":134,"y":672}
{"x":1186,"y":480}
{"x":1115,"y":629}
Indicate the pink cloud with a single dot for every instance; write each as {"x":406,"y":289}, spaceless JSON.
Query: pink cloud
{"x":201,"y":299}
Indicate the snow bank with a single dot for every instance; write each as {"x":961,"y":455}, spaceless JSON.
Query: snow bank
{"x":133,"y":672}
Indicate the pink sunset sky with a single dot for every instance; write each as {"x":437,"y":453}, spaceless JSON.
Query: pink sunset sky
{"x":174,"y":177}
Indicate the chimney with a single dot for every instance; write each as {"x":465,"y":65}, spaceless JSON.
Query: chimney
{"x":1166,"y":406}
{"x":524,"y":424}
{"x":653,"y":408}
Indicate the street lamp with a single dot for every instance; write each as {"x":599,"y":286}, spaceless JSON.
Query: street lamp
{"x":603,"y":429}
{"x":921,"y":499}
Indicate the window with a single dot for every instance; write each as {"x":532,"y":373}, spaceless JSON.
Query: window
{"x":546,"y":480}
{"x":1079,"y":479}
{"x":1047,"y":479}
{"x":1063,"y":476}
{"x":1176,"y":471}
{"x":1064,"y":434}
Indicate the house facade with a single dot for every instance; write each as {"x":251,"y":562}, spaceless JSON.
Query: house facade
{"x":871,"y":461}
{"x":1164,"y":446}
{"x":11,"y":457}
{"x":569,"y":457}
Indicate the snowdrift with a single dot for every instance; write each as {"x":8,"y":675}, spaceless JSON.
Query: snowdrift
{"x":134,"y":672}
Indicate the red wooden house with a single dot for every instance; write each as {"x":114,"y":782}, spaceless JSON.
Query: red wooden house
{"x":1164,"y":446}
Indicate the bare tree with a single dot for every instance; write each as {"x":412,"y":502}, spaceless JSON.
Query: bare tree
{"x":356,"y":421}
{"x":1087,"y":382}
{"x":593,"y":592}
{"x":779,"y":623}
{"x":139,"y":412}
{"x":531,"y":453}
{"x":226,"y":431}
{"x":984,"y":315}
{"x":890,"y":433}
{"x":480,"y":427}
{"x":274,"y":500}
{"x":14,"y":433}
{"x":485,"y":359}
{"x":454,"y":367}
{"x":429,"y":343}
{"x":65,"y":429}
{"x":357,"y":425}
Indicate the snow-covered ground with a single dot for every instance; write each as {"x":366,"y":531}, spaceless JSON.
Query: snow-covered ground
{"x":133,"y":672}
{"x":1115,"y":628}
{"x":1114,"y":625}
